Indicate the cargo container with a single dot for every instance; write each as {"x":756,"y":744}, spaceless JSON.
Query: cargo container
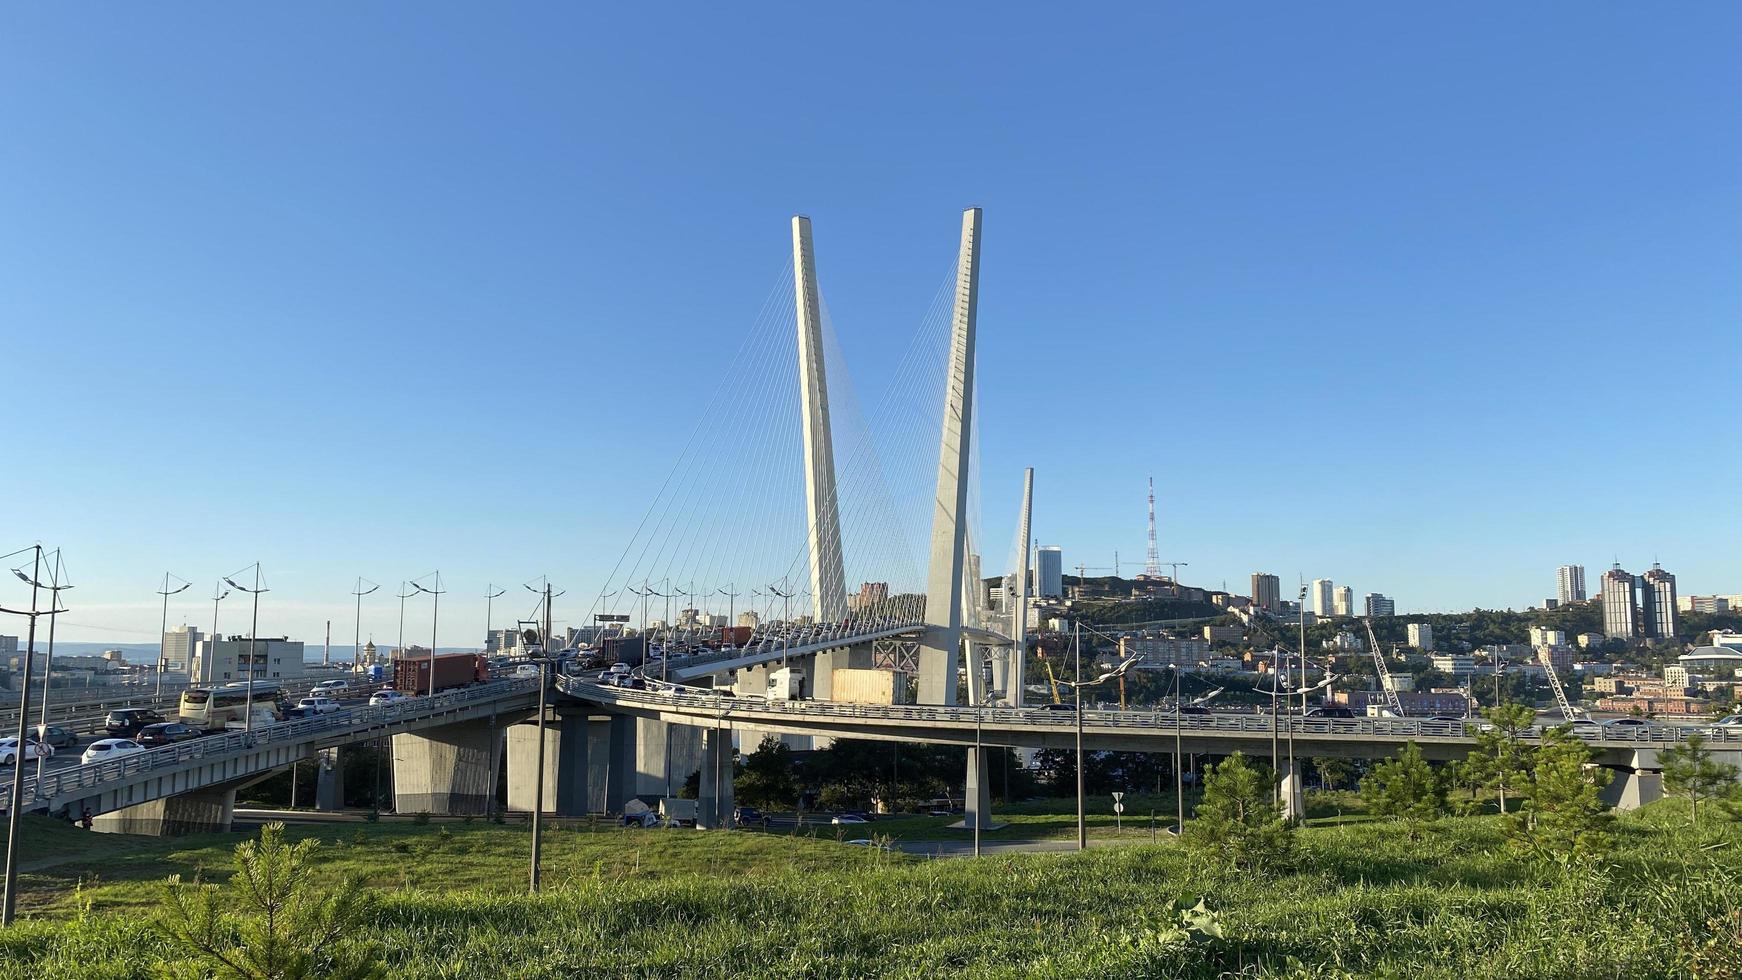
{"x":624,"y":649}
{"x":856,"y":685}
{"x":451,"y":670}
{"x":786,"y":684}
{"x":735,"y":636}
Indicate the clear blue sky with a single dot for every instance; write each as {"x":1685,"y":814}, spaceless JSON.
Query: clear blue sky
{"x":1427,"y":301}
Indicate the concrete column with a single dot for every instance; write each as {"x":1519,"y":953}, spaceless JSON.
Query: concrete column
{"x":1018,"y":675}
{"x":565,"y":765}
{"x":977,"y":801}
{"x":620,"y":764}
{"x":201,"y":811}
{"x":714,"y":804}
{"x":1293,"y":802}
{"x":329,"y":780}
{"x":665,"y":755}
{"x":447,"y":770}
{"x":1631,"y":789}
{"x":598,"y":762}
{"x":828,"y":582}
{"x":940,"y":647}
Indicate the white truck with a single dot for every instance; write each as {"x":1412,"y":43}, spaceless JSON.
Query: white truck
{"x":677,"y":813}
{"x":786,"y":684}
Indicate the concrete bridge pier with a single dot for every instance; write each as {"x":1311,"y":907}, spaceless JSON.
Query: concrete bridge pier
{"x":714,"y":804}
{"x":329,"y":780}
{"x":566,"y":767}
{"x":977,"y":795}
{"x":205,"y":810}
{"x":448,"y":770}
{"x":620,"y":775}
{"x":1633,"y":788}
{"x":1293,"y":800}
{"x":665,"y":755}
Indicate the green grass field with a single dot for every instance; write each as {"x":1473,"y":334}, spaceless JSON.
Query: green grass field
{"x":1361,"y":900}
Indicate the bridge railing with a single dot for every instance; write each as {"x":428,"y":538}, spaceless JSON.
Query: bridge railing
{"x":809,"y":638}
{"x":95,"y":775}
{"x":1164,"y":721}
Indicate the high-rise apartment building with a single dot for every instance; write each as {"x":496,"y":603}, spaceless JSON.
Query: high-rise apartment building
{"x":1377,"y":605}
{"x":1267,"y":592}
{"x":1657,"y":603}
{"x":1421,"y":636}
{"x":1049,"y":567}
{"x":1620,"y":604}
{"x":1321,"y":597}
{"x":1343,"y":601}
{"x":1570,"y":580}
{"x":178,"y":648}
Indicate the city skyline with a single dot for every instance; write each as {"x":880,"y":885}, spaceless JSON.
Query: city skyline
{"x":268,"y":336}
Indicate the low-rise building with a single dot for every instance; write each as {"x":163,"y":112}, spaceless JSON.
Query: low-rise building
{"x":1224,"y":634}
{"x":1455,"y":664}
{"x":1560,"y":658}
{"x":1414,"y":703}
{"x":1654,"y":706}
{"x":237,"y":658}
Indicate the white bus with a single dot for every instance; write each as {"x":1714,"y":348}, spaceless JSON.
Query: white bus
{"x":211,"y":708}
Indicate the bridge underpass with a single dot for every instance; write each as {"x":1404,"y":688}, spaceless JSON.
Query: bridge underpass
{"x":1633,"y":756}
{"x":445,"y":752}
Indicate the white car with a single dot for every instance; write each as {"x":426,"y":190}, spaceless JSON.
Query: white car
{"x":1729,"y":726}
{"x":848,"y":818}
{"x":528,"y":670}
{"x":388,"y":696}
{"x":319,"y":705}
{"x":104,"y":749}
{"x":32,"y":750}
{"x":333,"y":688}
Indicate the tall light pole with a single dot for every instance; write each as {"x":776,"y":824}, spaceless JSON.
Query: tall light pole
{"x":253,"y":640}
{"x":538,"y":780}
{"x":55,"y":588}
{"x":162,"y":628}
{"x":218,"y":594}
{"x":403,"y":595}
{"x":731,"y":608}
{"x":435,"y":591}
{"x":9,"y":900}
{"x":357,"y":628}
{"x":491,"y":594}
{"x":545,"y":595}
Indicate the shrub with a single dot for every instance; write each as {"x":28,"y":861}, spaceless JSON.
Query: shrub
{"x":1564,"y":819}
{"x":1239,"y":822}
{"x":269,"y":922}
{"x":1406,"y":787}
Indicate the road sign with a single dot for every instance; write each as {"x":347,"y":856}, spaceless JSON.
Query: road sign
{"x":1118,"y":808}
{"x":1118,"y":796}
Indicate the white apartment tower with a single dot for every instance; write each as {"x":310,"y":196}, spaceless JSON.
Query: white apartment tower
{"x":1343,"y":601}
{"x":1570,"y":581}
{"x":1322,"y":597}
{"x":1620,"y":604}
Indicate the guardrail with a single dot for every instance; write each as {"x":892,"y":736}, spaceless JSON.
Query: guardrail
{"x":770,"y":645}
{"x":95,"y":775}
{"x":1160,"y":721}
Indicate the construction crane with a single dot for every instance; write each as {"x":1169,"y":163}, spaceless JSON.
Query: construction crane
{"x":1568,"y":712}
{"x":1051,"y":678}
{"x":1176,"y":566}
{"x":1385,"y":685}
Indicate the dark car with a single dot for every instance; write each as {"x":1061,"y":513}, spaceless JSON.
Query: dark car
{"x":1055,"y":707}
{"x":60,"y":738}
{"x":166,"y":733}
{"x":747,"y":815}
{"x":1193,"y":709}
{"x":128,"y":721}
{"x":1331,"y":711}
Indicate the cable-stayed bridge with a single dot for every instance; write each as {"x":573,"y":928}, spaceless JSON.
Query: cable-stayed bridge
{"x":888,"y":500}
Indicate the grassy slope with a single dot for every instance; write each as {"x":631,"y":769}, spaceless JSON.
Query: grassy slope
{"x":1363,"y":901}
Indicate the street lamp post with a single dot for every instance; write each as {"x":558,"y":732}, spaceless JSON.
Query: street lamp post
{"x":357,"y":628}
{"x":538,"y":779}
{"x":55,"y":588}
{"x":491,"y":594}
{"x":434,"y":619}
{"x":218,"y":594}
{"x":163,"y":627}
{"x":9,"y":898}
{"x":253,"y":641}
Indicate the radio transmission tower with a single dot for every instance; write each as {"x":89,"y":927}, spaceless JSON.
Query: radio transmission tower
{"x":1152,"y":565}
